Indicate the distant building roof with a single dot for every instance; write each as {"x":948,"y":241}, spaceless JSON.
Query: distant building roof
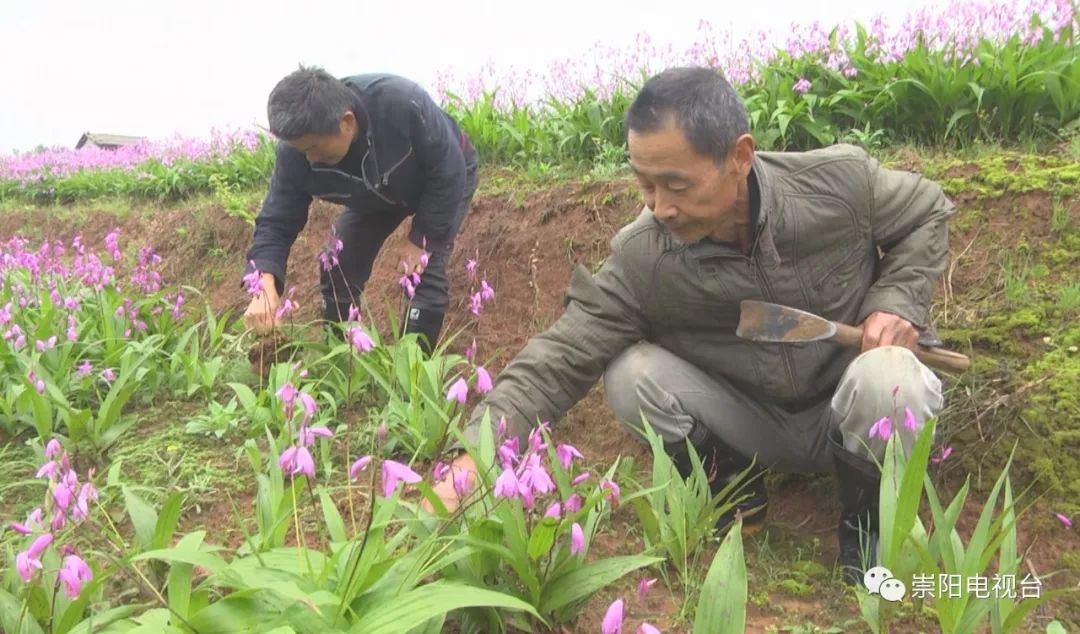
{"x":107,"y":141}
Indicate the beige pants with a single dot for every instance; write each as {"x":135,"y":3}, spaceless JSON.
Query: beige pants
{"x":672,"y":394}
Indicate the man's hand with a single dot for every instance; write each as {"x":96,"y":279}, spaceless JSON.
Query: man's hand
{"x":887,"y":329}
{"x":261,"y":313}
{"x":409,"y":258}
{"x":464,"y":469}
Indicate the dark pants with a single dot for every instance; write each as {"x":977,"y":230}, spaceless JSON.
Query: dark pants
{"x":362,"y":235}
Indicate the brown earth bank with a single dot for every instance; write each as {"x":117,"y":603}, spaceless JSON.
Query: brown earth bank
{"x":527,"y":250}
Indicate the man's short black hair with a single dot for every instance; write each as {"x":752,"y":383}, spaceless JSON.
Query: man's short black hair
{"x":704,"y":106}
{"x":308,"y":100}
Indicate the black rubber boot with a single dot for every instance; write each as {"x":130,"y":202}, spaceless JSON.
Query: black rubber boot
{"x":722,"y":464}
{"x":859,"y":482}
{"x":426,"y":322}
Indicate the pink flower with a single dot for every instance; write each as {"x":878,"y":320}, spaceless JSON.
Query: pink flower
{"x":53,"y":448}
{"x":613,"y":619}
{"x":21,"y":529}
{"x":36,"y":520}
{"x":506,"y":485}
{"x":253,"y":281}
{"x":470,"y":351}
{"x":577,"y":539}
{"x":882,"y":428}
{"x":48,"y":470}
{"x":26,"y":562}
{"x":459,"y":391}
{"x":470,"y":266}
{"x":287,"y":394}
{"x":802,"y":86}
{"x":407,"y":286}
{"x":380,"y":433}
{"x":537,"y":476}
{"x":82,"y":505}
{"x":287,"y":460}
{"x":360,"y":465}
{"x":1064,"y":519}
{"x":26,"y":565}
{"x":943,"y":453}
{"x":643,"y":587}
{"x":59,"y":520}
{"x":304,"y":463}
{"x":909,"y":420}
{"x":554,"y":510}
{"x":308,"y":403}
{"x":84,"y":369}
{"x":613,"y":489}
{"x":486,"y":292}
{"x":573,"y":503}
{"x":62,"y":495}
{"x":500,"y":429}
{"x":439,"y":472}
{"x":73,"y":574}
{"x":483,"y":380}
{"x":536,"y":438}
{"x":307,"y":435}
{"x":108,"y":375}
{"x":360,"y":340}
{"x":394,"y":472}
{"x":508,"y":451}
{"x":475,"y":304}
{"x":461,"y":482}
{"x":646,"y":628}
{"x":581,"y":478}
{"x":566,"y":454}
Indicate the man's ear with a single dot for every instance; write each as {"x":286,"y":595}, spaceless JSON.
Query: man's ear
{"x":742,"y":154}
{"x":348,"y":123}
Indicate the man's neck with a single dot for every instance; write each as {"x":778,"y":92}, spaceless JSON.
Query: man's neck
{"x":740,"y":228}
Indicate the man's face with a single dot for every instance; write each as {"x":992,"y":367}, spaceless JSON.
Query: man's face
{"x":687,"y":191}
{"x":328,"y":148}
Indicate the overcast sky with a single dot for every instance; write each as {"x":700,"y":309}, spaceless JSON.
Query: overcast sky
{"x":157,"y":67}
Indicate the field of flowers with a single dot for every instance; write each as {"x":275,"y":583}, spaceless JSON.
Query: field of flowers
{"x":341,"y":529}
{"x":1003,"y":71}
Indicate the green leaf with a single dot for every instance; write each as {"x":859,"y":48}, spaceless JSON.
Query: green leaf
{"x":143,"y":517}
{"x":722,"y":605}
{"x":582,"y":582}
{"x":543,"y":537}
{"x":334,"y":524}
{"x":10,"y":613}
{"x":244,"y":611}
{"x":418,"y":606}
{"x":434,"y":626}
{"x":246,"y":397}
{"x":187,"y":555}
{"x":167,"y":520}
{"x":104,"y":618}
{"x":910,"y":492}
{"x":179,"y":587}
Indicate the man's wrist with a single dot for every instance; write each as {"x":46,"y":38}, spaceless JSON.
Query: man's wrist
{"x":269,"y":284}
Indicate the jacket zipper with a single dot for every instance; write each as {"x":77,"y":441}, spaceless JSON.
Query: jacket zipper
{"x":355,"y":178}
{"x":785,"y":354}
{"x":386,"y":176}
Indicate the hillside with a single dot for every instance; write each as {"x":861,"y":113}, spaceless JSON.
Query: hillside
{"x":1010,"y":300}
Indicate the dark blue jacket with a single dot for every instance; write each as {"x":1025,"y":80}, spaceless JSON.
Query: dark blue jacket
{"x":411,"y":157}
